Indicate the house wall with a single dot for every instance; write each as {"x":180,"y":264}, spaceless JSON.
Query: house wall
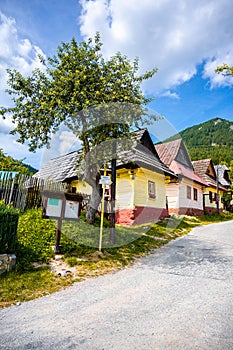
{"x":124,"y":198}
{"x":141,"y":196}
{"x":172,"y":196}
{"x":133,"y":203}
{"x":181,"y":204}
{"x":211,"y":207}
{"x":82,"y":187}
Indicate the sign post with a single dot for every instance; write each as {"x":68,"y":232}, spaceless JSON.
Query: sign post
{"x":61,"y":206}
{"x":104,"y":180}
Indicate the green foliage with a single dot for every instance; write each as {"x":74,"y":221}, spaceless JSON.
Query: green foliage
{"x":213,"y":133}
{"x":35,"y":239}
{"x":8,"y":228}
{"x":7,"y":163}
{"x":75,"y":82}
{"x":212,"y":139}
{"x":75,"y":78}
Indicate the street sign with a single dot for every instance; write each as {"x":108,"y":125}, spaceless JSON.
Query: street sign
{"x":105,"y":180}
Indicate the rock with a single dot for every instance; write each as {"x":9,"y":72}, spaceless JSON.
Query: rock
{"x":97,"y":255}
{"x":63,"y":273}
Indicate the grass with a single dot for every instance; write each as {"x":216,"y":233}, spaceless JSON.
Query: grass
{"x":79,"y":244}
{"x":29,"y":285}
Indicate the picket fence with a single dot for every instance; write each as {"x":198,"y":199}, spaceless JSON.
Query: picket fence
{"x":24,"y":191}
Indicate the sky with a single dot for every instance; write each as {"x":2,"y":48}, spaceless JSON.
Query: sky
{"x":185,"y":39}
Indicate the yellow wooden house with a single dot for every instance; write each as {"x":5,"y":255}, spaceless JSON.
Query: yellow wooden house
{"x":140,"y":182}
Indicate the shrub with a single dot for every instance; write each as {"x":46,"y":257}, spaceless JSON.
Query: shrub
{"x":8,"y":228}
{"x":35,"y":239}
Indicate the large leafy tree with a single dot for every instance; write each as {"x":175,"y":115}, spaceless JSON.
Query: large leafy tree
{"x":76,"y":80}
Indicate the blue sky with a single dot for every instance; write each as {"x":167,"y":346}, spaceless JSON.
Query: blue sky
{"x":184,"y":39}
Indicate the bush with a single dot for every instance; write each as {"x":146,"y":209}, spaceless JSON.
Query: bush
{"x":35,"y":239}
{"x":8,"y":228}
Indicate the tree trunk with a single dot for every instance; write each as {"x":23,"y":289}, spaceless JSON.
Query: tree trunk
{"x":93,"y":204}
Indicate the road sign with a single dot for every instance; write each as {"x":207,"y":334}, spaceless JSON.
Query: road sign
{"x":105,"y":180}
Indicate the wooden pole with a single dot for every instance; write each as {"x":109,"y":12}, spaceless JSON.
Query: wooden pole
{"x":102,"y":215}
{"x":58,"y":236}
{"x":113,"y":200}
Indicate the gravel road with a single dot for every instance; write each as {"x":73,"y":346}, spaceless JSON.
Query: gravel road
{"x":180,"y":297}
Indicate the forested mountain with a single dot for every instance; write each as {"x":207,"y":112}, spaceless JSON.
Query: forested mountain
{"x":212,"y":139}
{"x":7,"y":163}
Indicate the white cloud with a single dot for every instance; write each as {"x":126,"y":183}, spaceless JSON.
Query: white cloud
{"x":217,"y":80}
{"x":170,"y":94}
{"x":67,"y":142}
{"x":174,"y":36}
{"x":15,"y":53}
{"x":6,"y":125}
{"x":20,"y":54}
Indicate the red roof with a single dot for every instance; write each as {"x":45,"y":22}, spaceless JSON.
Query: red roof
{"x":186,"y":172}
{"x":167,"y":151}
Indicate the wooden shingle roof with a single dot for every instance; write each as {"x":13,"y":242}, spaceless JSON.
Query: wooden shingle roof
{"x":175,"y":155}
{"x":223,"y":176}
{"x":61,"y":168}
{"x":141,"y":154}
{"x":174,"y":150}
{"x":205,"y":169}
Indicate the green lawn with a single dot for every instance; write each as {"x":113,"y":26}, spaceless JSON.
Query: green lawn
{"x":79,"y":244}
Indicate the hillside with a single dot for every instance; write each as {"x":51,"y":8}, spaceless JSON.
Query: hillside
{"x":212,"y":139}
{"x":214,"y":132}
{"x":8,"y":163}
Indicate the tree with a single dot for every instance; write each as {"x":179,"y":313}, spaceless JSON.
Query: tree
{"x":225,"y":69}
{"x":9,"y":164}
{"x":76,"y":81}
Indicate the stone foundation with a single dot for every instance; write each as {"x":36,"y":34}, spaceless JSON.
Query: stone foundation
{"x":140,"y":215}
{"x":186,"y":211}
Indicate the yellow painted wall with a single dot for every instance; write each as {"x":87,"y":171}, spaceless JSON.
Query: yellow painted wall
{"x":82,"y":187}
{"x":132,"y":189}
{"x":124,"y":190}
{"x":141,"y":197}
{"x":213,"y":203}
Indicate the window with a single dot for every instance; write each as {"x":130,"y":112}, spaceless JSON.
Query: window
{"x":189,"y":192}
{"x":151,"y":189}
{"x":210,"y":196}
{"x":195,"y":194}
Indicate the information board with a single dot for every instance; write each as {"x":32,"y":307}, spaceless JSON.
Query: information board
{"x":54,"y":207}
{"x":71,"y":210}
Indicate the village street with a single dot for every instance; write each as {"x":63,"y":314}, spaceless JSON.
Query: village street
{"x":180,"y":297}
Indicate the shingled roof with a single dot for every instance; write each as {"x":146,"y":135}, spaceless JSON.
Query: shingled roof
{"x":141,"y":154}
{"x":175,"y":155}
{"x":223,"y":176}
{"x":174,"y":150}
{"x":60,"y":169}
{"x":205,"y":169}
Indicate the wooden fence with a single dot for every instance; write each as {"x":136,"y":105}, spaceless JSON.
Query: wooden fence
{"x":24,"y":192}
